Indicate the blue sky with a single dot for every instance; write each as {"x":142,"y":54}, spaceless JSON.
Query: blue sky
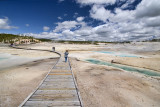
{"x":107,"y":20}
{"x":39,"y":13}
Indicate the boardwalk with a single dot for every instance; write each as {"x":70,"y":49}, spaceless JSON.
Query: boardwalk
{"x":58,"y":89}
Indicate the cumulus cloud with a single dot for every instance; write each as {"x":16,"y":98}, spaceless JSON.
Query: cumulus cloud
{"x":127,"y":4}
{"x":100,"y":13}
{"x":84,"y":31}
{"x":68,"y":34}
{"x":148,"y":8}
{"x":148,"y":13}
{"x":49,"y":35}
{"x":4,"y":24}
{"x":152,"y":21}
{"x":106,"y":32}
{"x":46,"y":28}
{"x":122,"y":15}
{"x":68,"y":25}
{"x":65,"y":25}
{"x":121,"y":25}
{"x":90,"y":2}
{"x":79,"y":19}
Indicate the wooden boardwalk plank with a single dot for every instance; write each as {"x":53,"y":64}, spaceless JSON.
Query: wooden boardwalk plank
{"x":59,"y":77}
{"x":53,"y":98}
{"x":56,"y":70}
{"x":59,"y":65}
{"x":51,"y":103}
{"x":57,"y":90}
{"x":60,"y":80}
{"x":63,"y":68}
{"x":62,"y":72}
{"x":58,"y":84}
{"x":49,"y":106}
{"x":59,"y":74}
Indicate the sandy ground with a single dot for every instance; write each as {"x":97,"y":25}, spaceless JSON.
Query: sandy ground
{"x":18,"y":82}
{"x":100,"y":86}
{"x":104,"y":86}
{"x":10,"y":57}
{"x":21,"y":72}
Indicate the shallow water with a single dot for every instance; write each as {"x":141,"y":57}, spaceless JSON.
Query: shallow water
{"x":8,"y":60}
{"x":127,"y":56}
{"x":117,"y":54}
{"x":2,"y":58}
{"x":124,"y":67}
{"x":108,"y":52}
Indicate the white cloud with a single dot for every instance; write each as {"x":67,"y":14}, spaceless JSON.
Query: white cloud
{"x":4,"y":24}
{"x":68,"y":33}
{"x":106,"y":32}
{"x":46,"y":28}
{"x":122,"y":15}
{"x":128,"y":4}
{"x":100,"y":13}
{"x":79,"y":19}
{"x":148,"y":8}
{"x":49,"y":35}
{"x":84,"y":31}
{"x":139,"y":24}
{"x":65,"y":25}
{"x":68,"y":25}
{"x":90,"y":2}
{"x":60,"y":18}
{"x":27,"y":25}
{"x":152,"y":21}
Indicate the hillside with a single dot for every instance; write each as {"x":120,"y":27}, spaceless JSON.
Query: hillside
{"x":17,"y":39}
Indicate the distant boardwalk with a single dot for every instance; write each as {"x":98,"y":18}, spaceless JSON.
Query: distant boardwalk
{"x":58,"y":89}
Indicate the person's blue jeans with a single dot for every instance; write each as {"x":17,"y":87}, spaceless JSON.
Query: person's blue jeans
{"x":65,"y":59}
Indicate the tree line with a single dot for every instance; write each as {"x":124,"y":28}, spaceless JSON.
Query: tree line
{"x":10,"y":38}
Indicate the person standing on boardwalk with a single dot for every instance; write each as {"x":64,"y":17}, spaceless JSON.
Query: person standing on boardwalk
{"x":66,"y":55}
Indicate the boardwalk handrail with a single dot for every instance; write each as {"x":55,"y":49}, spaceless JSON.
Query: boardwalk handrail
{"x":79,"y":97}
{"x":45,"y":76}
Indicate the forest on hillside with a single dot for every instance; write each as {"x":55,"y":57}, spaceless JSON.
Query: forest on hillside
{"x":7,"y":38}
